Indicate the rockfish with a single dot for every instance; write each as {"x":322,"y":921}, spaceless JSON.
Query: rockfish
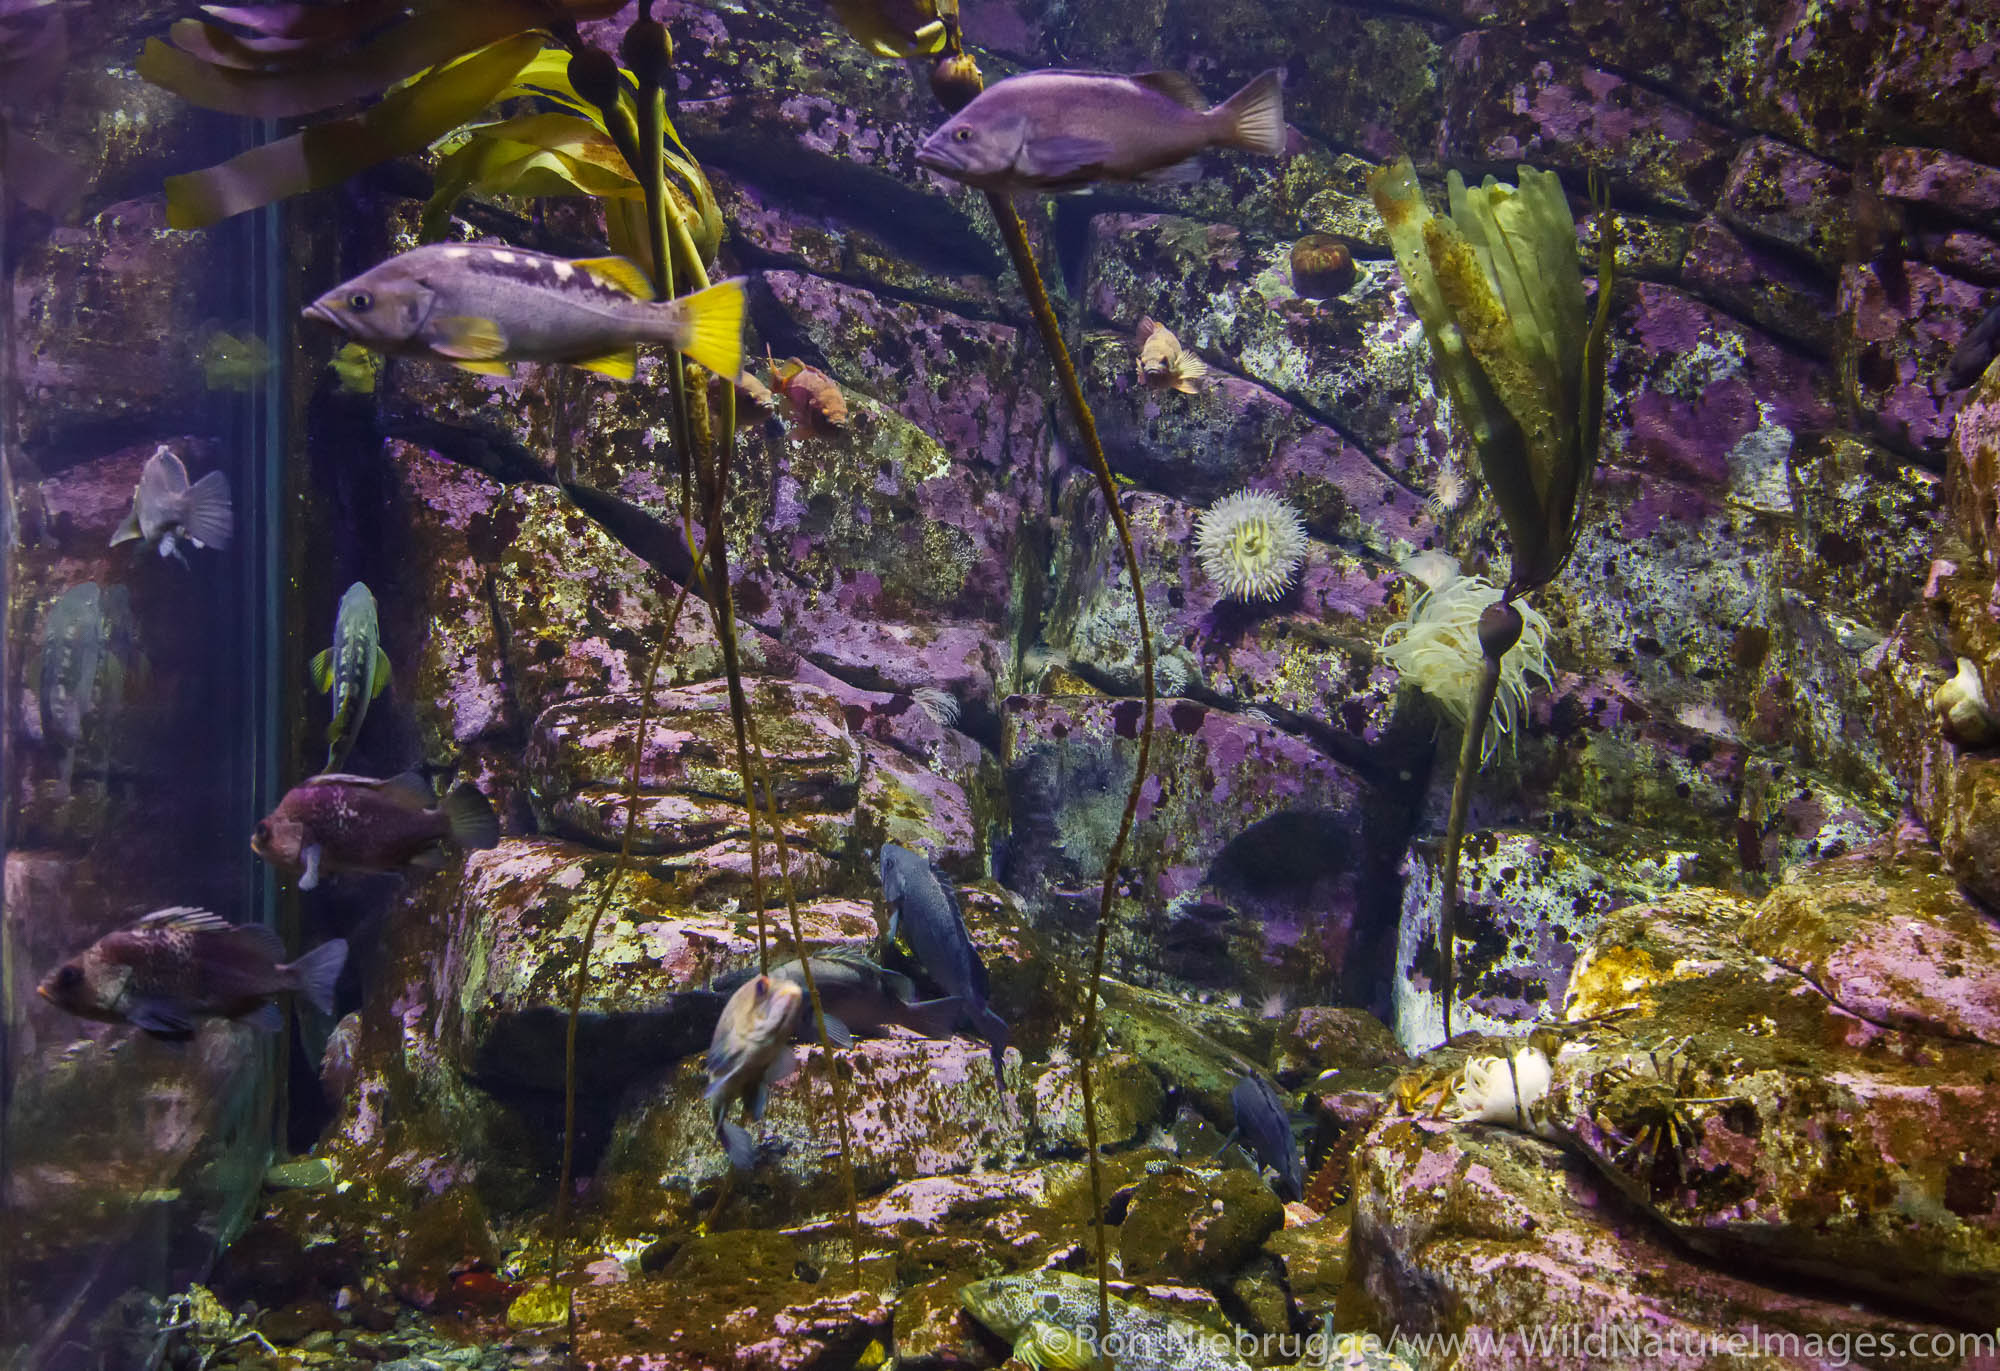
{"x":1057,"y":130}
{"x":175,"y":966}
{"x":1164,"y":363}
{"x":358,"y":823}
{"x":353,"y":671}
{"x":751,"y":1052}
{"x":1264,"y":1128}
{"x":925,"y":906}
{"x":859,"y":997}
{"x":482,"y":306}
{"x":166,"y":509}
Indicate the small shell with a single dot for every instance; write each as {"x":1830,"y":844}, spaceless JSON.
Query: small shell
{"x":815,"y":398}
{"x":1961,"y":705}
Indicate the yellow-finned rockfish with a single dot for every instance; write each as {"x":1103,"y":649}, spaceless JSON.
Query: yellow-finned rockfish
{"x":481,"y":306}
{"x":353,"y":671}
{"x":893,"y":28}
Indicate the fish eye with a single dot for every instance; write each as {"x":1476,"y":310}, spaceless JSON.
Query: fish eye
{"x":361,"y":302}
{"x":68,"y":977}
{"x":263,"y":833}
{"x":963,"y":135}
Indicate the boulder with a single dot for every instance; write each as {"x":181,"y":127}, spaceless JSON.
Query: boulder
{"x":1195,"y":1226}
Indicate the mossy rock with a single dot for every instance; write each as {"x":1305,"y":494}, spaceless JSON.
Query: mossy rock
{"x":448,"y":1235}
{"x":1196,"y":1225}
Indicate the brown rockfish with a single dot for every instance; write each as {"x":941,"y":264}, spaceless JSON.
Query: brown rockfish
{"x":751,"y":1052}
{"x":359,"y":823}
{"x":482,"y":306}
{"x":1057,"y":130}
{"x":165,"y":508}
{"x":175,"y":966}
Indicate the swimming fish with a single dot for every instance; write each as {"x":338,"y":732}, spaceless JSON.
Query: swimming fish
{"x":1264,"y":1128}
{"x":353,"y":671}
{"x":1975,"y":352}
{"x":1058,"y":130}
{"x":165,"y":508}
{"x":1051,"y":1319}
{"x":859,"y":997}
{"x":1164,"y":363}
{"x":893,"y":28}
{"x":750,"y":1053}
{"x":926,"y":907}
{"x":359,"y":823}
{"x":817,"y":405}
{"x":174,"y":966}
{"x":482,"y":306}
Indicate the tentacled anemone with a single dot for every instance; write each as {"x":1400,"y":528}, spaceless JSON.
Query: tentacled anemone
{"x":1437,"y":647}
{"x":1250,"y":544}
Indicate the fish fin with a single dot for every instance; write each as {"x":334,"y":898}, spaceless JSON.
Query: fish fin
{"x":1177,"y":86}
{"x":379,"y":680}
{"x":1063,"y":156}
{"x":208,"y":519}
{"x":184,"y":918}
{"x":1148,"y":326}
{"x":619,"y":273}
{"x":409,"y":788}
{"x":837,"y":1032}
{"x":316,"y":972}
{"x":934,"y":1018}
{"x":1192,"y":371}
{"x":261,"y":940}
{"x":622,"y":365}
{"x":485,"y":368}
{"x":738,"y":1145}
{"x":310,"y":878}
{"x":432,"y":858}
{"x":160,"y":1016}
{"x":1253,"y":119}
{"x":780,"y":1070}
{"x":468,"y":338}
{"x":128,"y":531}
{"x":265,"y":1018}
{"x":1175,"y":173}
{"x":473,"y":825}
{"x":714,"y":320}
{"x":321,"y":670}
{"x":900,"y":986}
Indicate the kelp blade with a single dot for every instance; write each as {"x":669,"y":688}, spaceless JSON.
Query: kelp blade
{"x":405,"y":122}
{"x":312,"y":23}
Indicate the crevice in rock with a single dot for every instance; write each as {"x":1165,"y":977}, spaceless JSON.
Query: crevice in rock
{"x":1846,"y":1008}
{"x":759,"y":258}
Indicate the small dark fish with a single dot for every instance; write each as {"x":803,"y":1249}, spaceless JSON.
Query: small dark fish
{"x":1058,"y":130}
{"x":751,"y":1052}
{"x":924,"y":905}
{"x":167,"y":510}
{"x":353,"y":671}
{"x":175,"y":966}
{"x":359,"y":823}
{"x":1264,"y":1128}
{"x":857,"y":996}
{"x":73,"y":644}
{"x":482,"y":306}
{"x":1975,"y":352}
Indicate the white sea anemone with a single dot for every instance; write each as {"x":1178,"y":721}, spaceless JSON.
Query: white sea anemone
{"x":1250,"y":544}
{"x":1448,"y":491}
{"x":1437,"y":647}
{"x":1503,"y":1089}
{"x":937,"y":702}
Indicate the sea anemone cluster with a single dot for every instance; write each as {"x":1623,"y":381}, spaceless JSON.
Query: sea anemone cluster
{"x":1250,"y":544}
{"x":1437,"y":647}
{"x":1504,"y":1089}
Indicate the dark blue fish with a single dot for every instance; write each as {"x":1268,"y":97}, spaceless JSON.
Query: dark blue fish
{"x":1975,"y":352}
{"x":925,"y":907}
{"x":1264,"y":1129}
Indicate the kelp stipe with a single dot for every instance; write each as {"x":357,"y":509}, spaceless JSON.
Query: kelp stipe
{"x":1500,"y":295}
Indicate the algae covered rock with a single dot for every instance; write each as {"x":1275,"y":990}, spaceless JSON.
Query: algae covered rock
{"x":1199,"y":1226}
{"x":1351,"y":1046}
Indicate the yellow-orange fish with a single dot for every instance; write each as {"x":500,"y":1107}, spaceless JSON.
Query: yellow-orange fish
{"x":1164,"y":363}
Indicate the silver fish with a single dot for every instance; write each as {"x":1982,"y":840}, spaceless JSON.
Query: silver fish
{"x":926,"y":906}
{"x":353,"y":671}
{"x":751,"y":1052}
{"x":166,"y":509}
{"x":482,"y":306}
{"x":177,"y":965}
{"x":1058,"y":130}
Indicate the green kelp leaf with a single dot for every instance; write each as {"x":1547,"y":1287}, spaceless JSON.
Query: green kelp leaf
{"x":535,"y":154}
{"x":406,"y":121}
{"x":428,"y":40}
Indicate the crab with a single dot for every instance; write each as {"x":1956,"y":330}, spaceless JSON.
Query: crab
{"x":1645,"y":1107}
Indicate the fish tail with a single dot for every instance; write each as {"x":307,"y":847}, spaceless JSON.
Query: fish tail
{"x":209,"y":519}
{"x":738,"y":1144}
{"x":934,"y":1018}
{"x":710,"y":328}
{"x":473,"y":825}
{"x":1254,"y":118}
{"x":313,"y":975}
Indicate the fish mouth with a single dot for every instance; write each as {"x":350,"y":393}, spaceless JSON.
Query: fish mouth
{"x":939,"y":156}
{"x":45,"y":993}
{"x":320,"y":311}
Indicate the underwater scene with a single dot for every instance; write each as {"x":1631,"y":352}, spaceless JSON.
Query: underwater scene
{"x":933,"y":685}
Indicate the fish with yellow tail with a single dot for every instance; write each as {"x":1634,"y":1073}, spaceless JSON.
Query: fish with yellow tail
{"x":751,"y":1052}
{"x":1166,"y":365}
{"x":353,"y":671}
{"x":893,"y":28}
{"x":1061,"y":130}
{"x":481,"y":306}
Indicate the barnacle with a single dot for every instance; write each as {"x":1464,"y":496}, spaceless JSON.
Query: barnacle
{"x":1437,"y":647}
{"x":1251,"y":544}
